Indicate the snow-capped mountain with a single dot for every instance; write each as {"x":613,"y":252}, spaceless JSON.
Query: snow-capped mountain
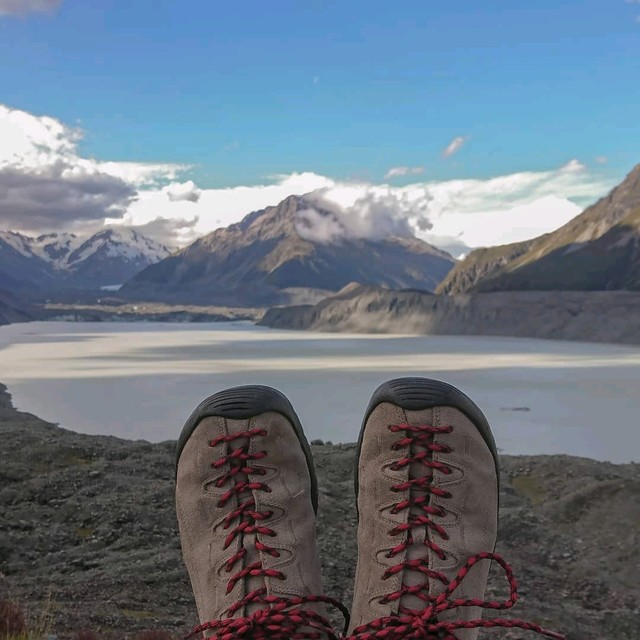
{"x":109,"y":257}
{"x":266,"y":259}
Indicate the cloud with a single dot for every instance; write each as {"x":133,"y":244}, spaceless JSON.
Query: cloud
{"x":454,"y":146}
{"x":375,"y":214}
{"x":143,"y":174}
{"x":573,"y":166}
{"x":170,"y":231}
{"x":182,"y":191}
{"x":24,"y":7}
{"x":217,"y":207}
{"x":395,"y":172}
{"x":46,"y":198}
{"x":602,"y":159}
{"x":462,"y":214}
{"x":47,"y":185}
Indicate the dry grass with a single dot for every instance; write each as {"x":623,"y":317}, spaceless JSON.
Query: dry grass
{"x":15,"y":626}
{"x":13,"y":622}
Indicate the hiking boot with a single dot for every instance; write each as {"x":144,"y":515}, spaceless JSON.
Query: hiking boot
{"x":427,"y":498}
{"x":246,"y":497}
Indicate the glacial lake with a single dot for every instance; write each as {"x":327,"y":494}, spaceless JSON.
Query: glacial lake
{"x":142,"y":380}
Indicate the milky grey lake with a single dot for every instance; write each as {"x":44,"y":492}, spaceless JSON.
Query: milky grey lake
{"x":141,"y":380}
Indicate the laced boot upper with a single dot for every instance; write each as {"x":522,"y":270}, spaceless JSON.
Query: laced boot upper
{"x":428,"y":510}
{"x":248,"y":531}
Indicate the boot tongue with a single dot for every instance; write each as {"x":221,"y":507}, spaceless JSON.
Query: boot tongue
{"x":251,"y":583}
{"x":418,"y":550}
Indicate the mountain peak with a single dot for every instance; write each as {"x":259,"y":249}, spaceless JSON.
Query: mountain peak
{"x":270,"y":252}
{"x":110,"y":256}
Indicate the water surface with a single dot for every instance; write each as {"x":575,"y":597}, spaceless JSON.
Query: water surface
{"x":141,"y":380}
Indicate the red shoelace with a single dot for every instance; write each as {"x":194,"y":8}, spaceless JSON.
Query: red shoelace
{"x":280,"y":618}
{"x":423,"y":624}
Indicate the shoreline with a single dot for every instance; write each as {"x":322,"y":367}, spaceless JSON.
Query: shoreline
{"x":91,"y":520}
{"x":609,"y":317}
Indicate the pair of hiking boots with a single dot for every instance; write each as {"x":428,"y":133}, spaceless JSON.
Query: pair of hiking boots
{"x":427,"y":497}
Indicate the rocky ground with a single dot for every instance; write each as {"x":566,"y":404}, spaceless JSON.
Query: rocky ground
{"x":89,"y":534}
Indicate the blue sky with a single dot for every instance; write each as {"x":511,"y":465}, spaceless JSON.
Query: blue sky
{"x":347,"y":90}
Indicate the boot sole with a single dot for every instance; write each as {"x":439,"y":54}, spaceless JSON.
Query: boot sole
{"x":417,"y":394}
{"x":243,"y":403}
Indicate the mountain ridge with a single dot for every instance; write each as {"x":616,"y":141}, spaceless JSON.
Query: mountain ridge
{"x":597,"y":250}
{"x":55,"y":260}
{"x":265,"y":257}
{"x":594,"y":316}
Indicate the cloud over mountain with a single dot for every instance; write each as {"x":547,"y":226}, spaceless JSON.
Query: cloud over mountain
{"x":49,"y":185}
{"x":375,"y":214}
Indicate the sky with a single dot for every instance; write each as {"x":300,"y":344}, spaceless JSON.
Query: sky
{"x":470,"y":124}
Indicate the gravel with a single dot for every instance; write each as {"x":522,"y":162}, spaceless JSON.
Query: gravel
{"x":89,"y":534}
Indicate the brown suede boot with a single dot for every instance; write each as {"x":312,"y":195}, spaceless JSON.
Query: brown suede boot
{"x":246,"y":497}
{"x":427,"y":495}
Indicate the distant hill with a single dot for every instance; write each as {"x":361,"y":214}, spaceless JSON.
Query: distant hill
{"x":593,"y":316}
{"x":13,"y":309}
{"x":265,"y":259}
{"x":59,"y":260}
{"x":597,"y":250}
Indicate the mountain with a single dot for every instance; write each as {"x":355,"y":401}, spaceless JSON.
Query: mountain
{"x":63,"y":260}
{"x":112,"y":256}
{"x":13,"y":309}
{"x":595,"y":316}
{"x":597,"y":250}
{"x":20,"y":268}
{"x":269,"y":258}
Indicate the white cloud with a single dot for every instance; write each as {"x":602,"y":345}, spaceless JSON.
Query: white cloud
{"x":182,"y":191}
{"x":217,"y":207}
{"x":143,"y":174}
{"x":24,"y":7}
{"x":395,"y":172}
{"x":376,"y":212}
{"x":454,"y":146}
{"x":46,"y":184}
{"x":573,"y":166}
{"x":602,"y":159}
{"x":459,"y":214}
